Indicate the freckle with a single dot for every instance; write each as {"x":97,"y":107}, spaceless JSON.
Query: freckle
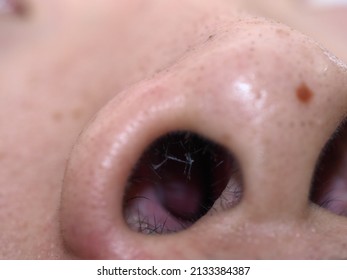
{"x":57,"y":116}
{"x":226,"y":138}
{"x":210,"y":37}
{"x":310,"y":123}
{"x":304,"y":94}
{"x":18,"y":8}
{"x":76,"y":113}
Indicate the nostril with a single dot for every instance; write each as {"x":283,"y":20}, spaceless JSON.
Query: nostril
{"x":329,"y":188}
{"x":176,"y":181}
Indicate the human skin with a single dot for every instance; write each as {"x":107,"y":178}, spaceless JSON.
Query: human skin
{"x":86,"y":86}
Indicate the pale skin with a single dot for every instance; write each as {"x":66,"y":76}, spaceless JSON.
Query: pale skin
{"x":86,"y":86}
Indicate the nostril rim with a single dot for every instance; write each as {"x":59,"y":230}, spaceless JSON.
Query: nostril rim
{"x":178,"y":179}
{"x":329,"y":187}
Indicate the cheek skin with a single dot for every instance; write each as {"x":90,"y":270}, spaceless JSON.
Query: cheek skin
{"x":57,"y":72}
{"x":251,"y":97}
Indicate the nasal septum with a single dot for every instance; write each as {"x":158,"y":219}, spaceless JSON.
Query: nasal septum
{"x":195,"y":157}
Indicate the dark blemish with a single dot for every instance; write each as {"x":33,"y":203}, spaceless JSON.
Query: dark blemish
{"x":22,"y":9}
{"x":210,"y":37}
{"x":16,"y":7}
{"x":226,"y":138}
{"x":77,"y":113}
{"x":310,"y":123}
{"x":304,"y":94}
{"x":57,"y":116}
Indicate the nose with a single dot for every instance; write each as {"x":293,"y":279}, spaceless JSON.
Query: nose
{"x":268,"y":95}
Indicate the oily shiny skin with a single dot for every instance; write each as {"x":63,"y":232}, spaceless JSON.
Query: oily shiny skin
{"x":87,"y":86}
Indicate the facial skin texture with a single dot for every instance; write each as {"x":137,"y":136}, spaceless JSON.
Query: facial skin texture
{"x":86,"y":86}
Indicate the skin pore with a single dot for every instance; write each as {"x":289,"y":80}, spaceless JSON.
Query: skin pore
{"x":87,"y":86}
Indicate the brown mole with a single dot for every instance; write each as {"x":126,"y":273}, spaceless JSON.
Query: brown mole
{"x":57,"y":116}
{"x":303,"y":93}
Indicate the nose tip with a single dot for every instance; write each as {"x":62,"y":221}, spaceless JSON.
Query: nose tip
{"x":256,"y":88}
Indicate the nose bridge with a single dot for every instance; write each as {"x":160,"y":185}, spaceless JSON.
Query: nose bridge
{"x":267,"y":100}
